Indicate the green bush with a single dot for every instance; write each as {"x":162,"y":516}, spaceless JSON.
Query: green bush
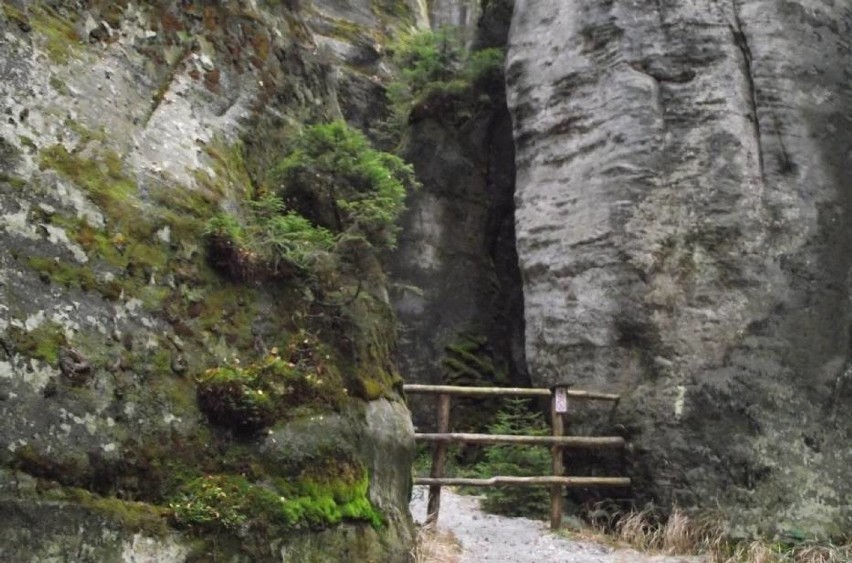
{"x":338,"y":181}
{"x":268,"y":241}
{"x":426,"y":57}
{"x":523,"y":461}
{"x":332,"y":188}
{"x":435,"y":67}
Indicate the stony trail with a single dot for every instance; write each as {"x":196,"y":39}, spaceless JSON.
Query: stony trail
{"x":488,"y":538}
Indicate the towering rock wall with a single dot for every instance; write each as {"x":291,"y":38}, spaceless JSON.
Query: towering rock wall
{"x":126,"y":127}
{"x":684,"y":235}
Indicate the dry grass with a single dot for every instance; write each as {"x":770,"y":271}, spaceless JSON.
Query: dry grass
{"x":435,"y":546}
{"x":682,"y":534}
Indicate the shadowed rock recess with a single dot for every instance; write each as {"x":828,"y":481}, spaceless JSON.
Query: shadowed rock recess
{"x":173,"y":386}
{"x":457,"y":287}
{"x":683,"y":223}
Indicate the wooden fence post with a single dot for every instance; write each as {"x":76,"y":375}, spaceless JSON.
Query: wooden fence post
{"x":439,"y":458}
{"x":558,"y":407}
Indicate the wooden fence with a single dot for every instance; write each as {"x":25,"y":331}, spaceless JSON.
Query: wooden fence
{"x":557,"y":441}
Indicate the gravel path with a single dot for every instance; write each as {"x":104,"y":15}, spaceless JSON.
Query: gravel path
{"x":487,"y":538}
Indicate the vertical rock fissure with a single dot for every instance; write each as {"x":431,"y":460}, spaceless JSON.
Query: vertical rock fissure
{"x":458,"y":241}
{"x":741,"y":42}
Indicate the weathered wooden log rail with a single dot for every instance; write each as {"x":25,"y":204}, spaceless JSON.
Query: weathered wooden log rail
{"x":557,"y":441}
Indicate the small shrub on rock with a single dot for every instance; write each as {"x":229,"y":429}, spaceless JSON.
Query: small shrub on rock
{"x":438,"y":76}
{"x":248,"y":399}
{"x":331,"y":189}
{"x":339,"y":182}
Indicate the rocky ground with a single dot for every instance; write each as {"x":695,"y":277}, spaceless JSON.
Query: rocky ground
{"x":488,"y":538}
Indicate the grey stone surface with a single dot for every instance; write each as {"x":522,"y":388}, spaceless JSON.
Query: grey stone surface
{"x":683,"y":215}
{"x":462,"y":14}
{"x":154,"y":105}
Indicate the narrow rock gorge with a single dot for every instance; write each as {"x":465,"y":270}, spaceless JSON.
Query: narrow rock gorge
{"x":457,"y":287}
{"x":231,"y":230}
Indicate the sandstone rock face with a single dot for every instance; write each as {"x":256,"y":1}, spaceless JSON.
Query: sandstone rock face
{"x":454,"y":13}
{"x":119,"y":123}
{"x":683,"y":222}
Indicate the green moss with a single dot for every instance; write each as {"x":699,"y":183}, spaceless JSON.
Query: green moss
{"x":230,"y":172}
{"x":59,"y":85}
{"x":185,"y":211}
{"x":370,"y":388}
{"x":58,"y":33}
{"x":13,"y":14}
{"x":178,"y":392}
{"x":351,"y":32}
{"x":397,"y":9}
{"x":14,"y":181}
{"x":147,"y":256}
{"x":43,"y":342}
{"x":373,"y":381}
{"x":223,"y":309}
{"x":368,"y":326}
{"x":327,"y":495}
{"x":104,"y":180}
{"x":254,"y":397}
{"x":62,"y":273}
{"x":132,"y":516}
{"x":85,"y":134}
{"x":71,"y":275}
{"x":28,"y":143}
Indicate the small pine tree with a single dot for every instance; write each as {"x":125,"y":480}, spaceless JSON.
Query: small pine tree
{"x":518,"y":417}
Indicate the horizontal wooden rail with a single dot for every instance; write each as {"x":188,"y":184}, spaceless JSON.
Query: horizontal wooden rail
{"x":526,"y":481}
{"x":505,"y":391}
{"x":558,"y":396}
{"x":566,"y":441}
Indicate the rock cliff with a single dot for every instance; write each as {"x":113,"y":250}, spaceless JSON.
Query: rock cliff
{"x":683,"y":222}
{"x":166,"y":394}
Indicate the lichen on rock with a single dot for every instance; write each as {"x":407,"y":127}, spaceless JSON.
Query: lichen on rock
{"x":131,"y":364}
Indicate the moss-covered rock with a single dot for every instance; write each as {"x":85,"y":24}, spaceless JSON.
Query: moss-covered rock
{"x":256,"y":396}
{"x":321,"y":496}
{"x":136,"y":373}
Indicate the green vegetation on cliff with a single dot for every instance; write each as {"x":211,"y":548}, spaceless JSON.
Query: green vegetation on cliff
{"x":274,"y":388}
{"x":439,"y":76}
{"x":166,"y":247}
{"x":336,"y":179}
{"x":322,"y":496}
{"x":330,"y":191}
{"x":211,"y":309}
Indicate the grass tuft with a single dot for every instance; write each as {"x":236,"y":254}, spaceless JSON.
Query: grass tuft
{"x":684,"y":534}
{"x":434,"y":546}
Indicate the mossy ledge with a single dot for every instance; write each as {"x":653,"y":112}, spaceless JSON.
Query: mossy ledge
{"x":320,"y":497}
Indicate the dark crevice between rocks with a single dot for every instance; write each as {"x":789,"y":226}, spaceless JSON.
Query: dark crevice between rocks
{"x":467,"y":326}
{"x":741,"y":42}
